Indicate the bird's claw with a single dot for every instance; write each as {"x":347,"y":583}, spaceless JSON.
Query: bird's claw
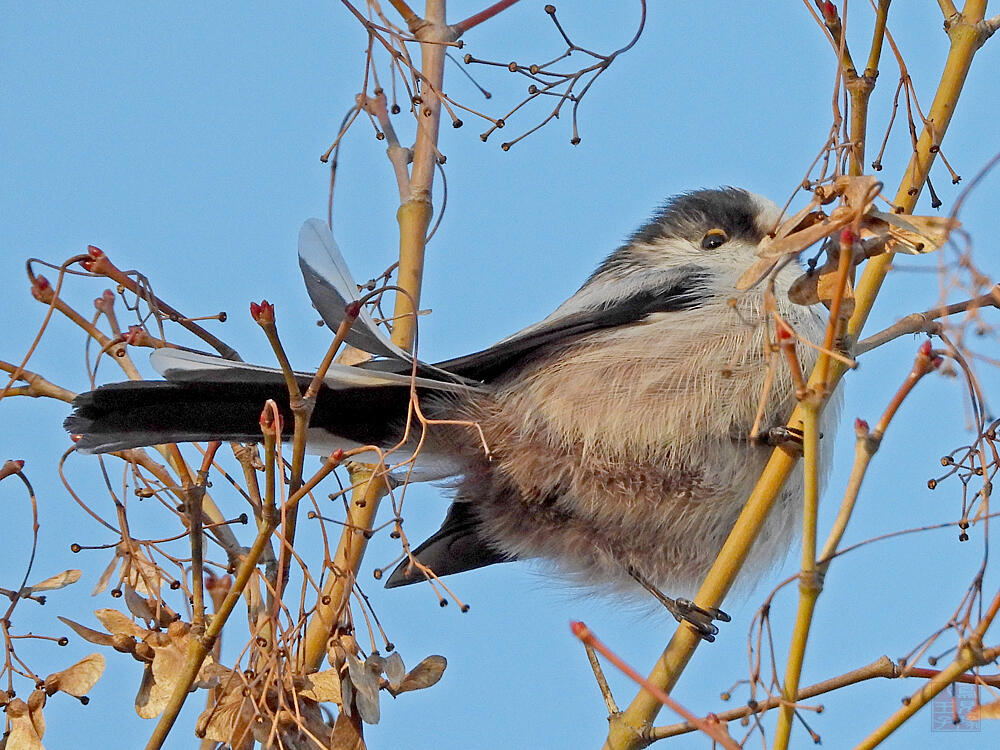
{"x":684,"y":610}
{"x":700,"y":618}
{"x":780,"y":435}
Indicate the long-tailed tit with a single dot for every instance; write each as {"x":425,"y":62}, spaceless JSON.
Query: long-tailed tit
{"x":617,"y":430}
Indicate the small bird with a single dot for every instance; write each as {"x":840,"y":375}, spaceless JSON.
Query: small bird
{"x":612,"y":438}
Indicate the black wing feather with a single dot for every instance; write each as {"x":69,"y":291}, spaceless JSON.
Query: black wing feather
{"x":683,"y":293}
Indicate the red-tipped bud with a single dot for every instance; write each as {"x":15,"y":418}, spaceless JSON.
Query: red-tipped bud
{"x":925,"y":349}
{"x":105,"y":302}
{"x":352,"y":309}
{"x":41,"y":289}
{"x":847,"y":237}
{"x":10,"y":467}
{"x":936,"y":362}
{"x":135,"y":336}
{"x":829,"y":10}
{"x":579,"y":629}
{"x":95,"y":254}
{"x":861,"y":425}
{"x":337,"y":456}
{"x":263,"y":312}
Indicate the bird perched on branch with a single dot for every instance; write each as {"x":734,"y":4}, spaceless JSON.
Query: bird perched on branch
{"x":612,"y":438}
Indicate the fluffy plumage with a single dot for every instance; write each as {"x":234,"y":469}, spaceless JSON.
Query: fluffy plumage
{"x":618,"y":427}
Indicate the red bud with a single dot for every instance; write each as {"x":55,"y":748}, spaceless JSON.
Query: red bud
{"x":829,"y":10}
{"x":353,"y":309}
{"x":10,"y":467}
{"x":134,"y":335}
{"x":847,"y":237}
{"x":41,"y":289}
{"x":105,"y":302}
{"x":95,"y":254}
{"x":263,"y":312}
{"x":925,"y":348}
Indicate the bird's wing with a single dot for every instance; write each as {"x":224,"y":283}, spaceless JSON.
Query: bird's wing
{"x":331,"y":288}
{"x":585,"y":313}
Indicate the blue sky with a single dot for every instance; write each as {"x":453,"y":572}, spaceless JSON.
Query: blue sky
{"x":184,"y":141}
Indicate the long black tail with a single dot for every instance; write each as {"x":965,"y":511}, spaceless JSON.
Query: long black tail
{"x":141,"y":413}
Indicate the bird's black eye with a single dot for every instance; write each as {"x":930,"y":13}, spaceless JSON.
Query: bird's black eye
{"x":713,"y":238}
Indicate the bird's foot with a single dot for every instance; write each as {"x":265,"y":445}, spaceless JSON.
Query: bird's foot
{"x":700,"y":618}
{"x":780,"y":435}
{"x":684,"y":610}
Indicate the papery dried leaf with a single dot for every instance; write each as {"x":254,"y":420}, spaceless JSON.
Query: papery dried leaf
{"x":58,"y":581}
{"x":105,"y":577}
{"x":159,"y":678}
{"x":804,"y":290}
{"x":171,"y":650}
{"x":425,"y":674}
{"x":323,"y":687}
{"x":137,"y":605}
{"x":347,"y":733}
{"x":23,"y":734}
{"x":756,"y":273}
{"x":394,"y":669}
{"x":989,"y":710}
{"x":137,"y":571}
{"x":212,"y":670}
{"x":36,"y":702}
{"x":230,"y":721}
{"x":366,"y":686}
{"x":827,"y":288}
{"x":88,"y":634}
{"x":799,"y":241}
{"x":148,"y":705}
{"x":350,"y":355}
{"x":804,"y":218}
{"x":296,"y":730}
{"x":860,"y":191}
{"x":120,"y":623}
{"x":918,"y":234}
{"x":78,"y":679}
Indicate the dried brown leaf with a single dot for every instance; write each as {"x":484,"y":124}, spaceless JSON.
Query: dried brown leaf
{"x":989,"y":710}
{"x":78,"y":679}
{"x":88,"y":634}
{"x":138,"y":605}
{"x":323,"y":687}
{"x":394,"y":670}
{"x":119,"y":623}
{"x":425,"y":674}
{"x":23,"y":734}
{"x":347,"y":733}
{"x":58,"y":581}
{"x":364,"y":679}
